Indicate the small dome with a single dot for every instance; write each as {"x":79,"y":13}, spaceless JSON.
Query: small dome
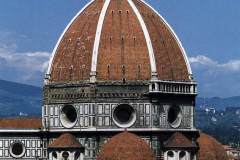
{"x":126,"y":146}
{"x":210,"y":148}
{"x":66,"y":140}
{"x":118,"y":39}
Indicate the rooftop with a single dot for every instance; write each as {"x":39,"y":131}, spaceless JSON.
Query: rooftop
{"x":66,"y":140}
{"x":20,"y":123}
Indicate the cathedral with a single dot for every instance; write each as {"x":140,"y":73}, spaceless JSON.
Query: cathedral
{"x":119,"y":87}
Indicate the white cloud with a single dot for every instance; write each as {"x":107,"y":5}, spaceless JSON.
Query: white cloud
{"x":203,"y":61}
{"x":23,"y":67}
{"x":216,"y":78}
{"x":32,"y":61}
{"x":233,"y":65}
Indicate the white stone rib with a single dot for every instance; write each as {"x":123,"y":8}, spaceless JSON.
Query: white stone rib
{"x":147,"y":38}
{"x":61,"y":37}
{"x":97,"y":39}
{"x":175,"y":36}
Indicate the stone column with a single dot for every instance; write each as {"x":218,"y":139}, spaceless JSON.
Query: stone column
{"x":176,"y":155}
{"x":81,"y":156}
{"x":71,"y":155}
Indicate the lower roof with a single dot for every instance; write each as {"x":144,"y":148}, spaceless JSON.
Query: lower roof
{"x":20,"y":123}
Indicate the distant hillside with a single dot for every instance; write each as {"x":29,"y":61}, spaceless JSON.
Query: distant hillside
{"x":219,"y":103}
{"x":16,"y":98}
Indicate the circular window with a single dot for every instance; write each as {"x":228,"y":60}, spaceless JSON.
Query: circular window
{"x":65,"y":155}
{"x":17,"y":149}
{"x":170,"y":154}
{"x":68,"y":116}
{"x":174,"y":116}
{"x":124,"y":115}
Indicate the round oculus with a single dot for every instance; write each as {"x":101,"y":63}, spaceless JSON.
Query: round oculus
{"x":65,"y":155}
{"x":124,"y":115}
{"x":68,"y":116}
{"x":17,"y":149}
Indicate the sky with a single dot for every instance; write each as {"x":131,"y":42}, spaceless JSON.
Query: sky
{"x":208,"y":29}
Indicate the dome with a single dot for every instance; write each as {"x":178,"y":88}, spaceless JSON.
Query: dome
{"x":126,"y":146}
{"x":210,"y":148}
{"x":66,"y":140}
{"x":112,"y":40}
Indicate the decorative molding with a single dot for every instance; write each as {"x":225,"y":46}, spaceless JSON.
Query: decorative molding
{"x":97,"y":41}
{"x":148,"y":40}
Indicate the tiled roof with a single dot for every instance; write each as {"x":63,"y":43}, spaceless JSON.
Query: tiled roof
{"x":126,"y":146}
{"x":20,"y":123}
{"x":210,"y":148}
{"x":122,"y":43}
{"x":178,"y":140}
{"x":66,"y":140}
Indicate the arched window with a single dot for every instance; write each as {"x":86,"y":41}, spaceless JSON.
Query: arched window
{"x":174,"y":116}
{"x":153,"y":87}
{"x":170,"y":154}
{"x":182,"y":155}
{"x":76,"y":155}
{"x":54,"y":155}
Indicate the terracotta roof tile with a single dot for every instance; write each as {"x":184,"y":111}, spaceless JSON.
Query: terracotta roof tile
{"x":169,"y":57}
{"x":20,"y":123}
{"x":126,"y":146}
{"x":210,"y":148}
{"x":123,"y":51}
{"x":179,"y":140}
{"x":66,"y":140}
{"x":74,"y":53}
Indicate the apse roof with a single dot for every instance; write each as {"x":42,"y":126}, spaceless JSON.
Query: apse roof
{"x":178,"y":140}
{"x":126,"y":146}
{"x":66,"y":140}
{"x":210,"y":148}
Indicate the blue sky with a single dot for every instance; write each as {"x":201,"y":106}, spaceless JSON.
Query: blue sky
{"x":208,"y":29}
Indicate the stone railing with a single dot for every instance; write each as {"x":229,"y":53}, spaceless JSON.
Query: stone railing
{"x":173,"y":87}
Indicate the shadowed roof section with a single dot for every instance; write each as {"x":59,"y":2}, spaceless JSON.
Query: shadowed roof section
{"x":66,"y":140}
{"x":178,"y":140}
{"x":210,"y":148}
{"x":21,"y":123}
{"x":126,"y":146}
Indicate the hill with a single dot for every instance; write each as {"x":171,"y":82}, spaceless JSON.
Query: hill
{"x":18,"y":98}
{"x":219,"y":103}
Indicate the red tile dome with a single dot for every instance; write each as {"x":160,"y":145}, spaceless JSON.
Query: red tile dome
{"x":210,"y":148}
{"x":126,"y":146}
{"x":66,"y":140}
{"x":112,"y":40}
